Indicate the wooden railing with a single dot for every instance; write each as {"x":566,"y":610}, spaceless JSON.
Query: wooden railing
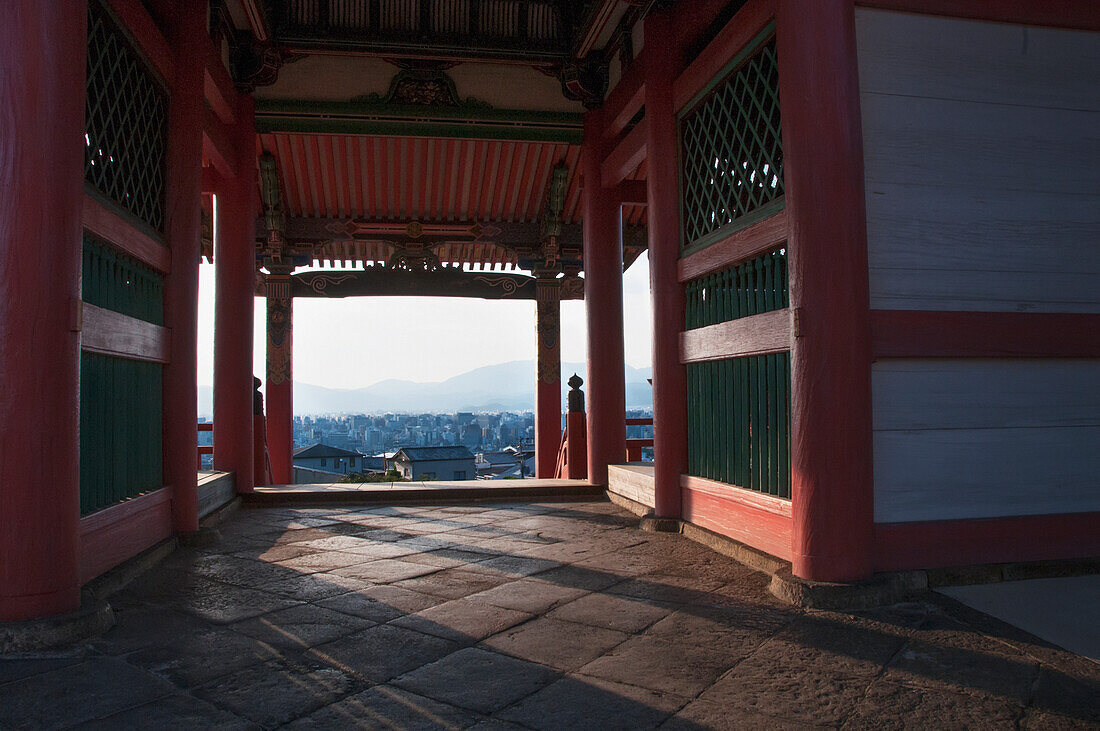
{"x":633,"y":449}
{"x":634,"y":446}
{"x":205,"y":426}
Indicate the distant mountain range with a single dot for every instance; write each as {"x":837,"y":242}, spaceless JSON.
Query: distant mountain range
{"x":501,"y":387}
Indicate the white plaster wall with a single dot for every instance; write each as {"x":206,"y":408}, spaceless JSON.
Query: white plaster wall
{"x":972,"y":438}
{"x":982,"y":164}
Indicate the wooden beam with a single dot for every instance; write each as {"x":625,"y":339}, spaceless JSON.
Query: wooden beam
{"x":216,"y":145}
{"x":756,"y":520}
{"x":101,"y":221}
{"x":749,"y":242}
{"x":429,"y":233}
{"x":112,"y":333}
{"x":734,"y":37}
{"x":1051,"y":13}
{"x":212,"y":182}
{"x":740,"y":495}
{"x":112,"y":535}
{"x":626,"y":156}
{"x":218,"y":86}
{"x":374,"y":118}
{"x":625,"y":100}
{"x":938,"y":334}
{"x":150,"y":42}
{"x":632,"y":193}
{"x":768,"y":332}
{"x":902,"y":546}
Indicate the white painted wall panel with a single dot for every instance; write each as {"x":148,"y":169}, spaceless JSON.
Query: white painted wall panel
{"x":982,"y":164}
{"x":985,"y":438}
{"x":947,"y":58}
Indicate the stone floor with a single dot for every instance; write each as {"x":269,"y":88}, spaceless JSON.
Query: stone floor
{"x":548,"y":616}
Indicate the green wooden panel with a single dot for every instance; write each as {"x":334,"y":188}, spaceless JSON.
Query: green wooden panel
{"x":739,"y":422}
{"x":114,"y":281}
{"x":120,"y":430}
{"x":749,"y":288}
{"x":731,"y":164}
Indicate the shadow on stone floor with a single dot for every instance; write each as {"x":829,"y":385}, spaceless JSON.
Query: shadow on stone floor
{"x":507,"y":616}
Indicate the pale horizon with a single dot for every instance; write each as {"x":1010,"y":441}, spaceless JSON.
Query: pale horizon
{"x":416,"y":338}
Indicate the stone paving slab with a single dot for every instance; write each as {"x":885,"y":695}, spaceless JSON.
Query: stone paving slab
{"x":519,"y":616}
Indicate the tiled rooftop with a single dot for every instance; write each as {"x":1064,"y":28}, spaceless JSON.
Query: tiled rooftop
{"x":514,"y":616}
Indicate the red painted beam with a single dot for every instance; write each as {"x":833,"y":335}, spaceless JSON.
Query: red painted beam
{"x":768,"y":332}
{"x":234,"y":289}
{"x":739,"y":246}
{"x":146,"y":36}
{"x":183,"y":229}
{"x":731,"y":40}
{"x":120,"y":532}
{"x":217,"y":84}
{"x":670,"y":449}
{"x":218,"y":145}
{"x":625,"y":157}
{"x":624,"y":101}
{"x":1075,"y":14}
{"x":42,"y":52}
{"x":759,"y":521}
{"x":112,"y":333}
{"x":831,"y":446}
{"x":933,"y":544}
{"x":632,"y":193}
{"x":603,"y":296}
{"x":99,"y":219}
{"x":940,"y":334}
{"x":212,"y":181}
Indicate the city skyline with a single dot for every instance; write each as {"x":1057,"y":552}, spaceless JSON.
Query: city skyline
{"x":358,"y":342}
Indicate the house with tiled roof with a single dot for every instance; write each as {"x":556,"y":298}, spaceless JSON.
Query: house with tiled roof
{"x":435,"y":463}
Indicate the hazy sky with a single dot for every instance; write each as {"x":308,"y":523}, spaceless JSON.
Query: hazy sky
{"x":357,"y":341}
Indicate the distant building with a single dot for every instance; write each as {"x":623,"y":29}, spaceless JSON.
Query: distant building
{"x":328,"y":459}
{"x":435,"y":463}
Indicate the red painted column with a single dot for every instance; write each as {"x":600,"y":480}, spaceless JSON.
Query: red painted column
{"x":234,"y":289}
{"x":603,"y":305}
{"x":280,"y":378}
{"x":181,"y":286}
{"x":547,"y":377}
{"x":42,"y":56}
{"x":663,"y":215}
{"x":831,"y":447}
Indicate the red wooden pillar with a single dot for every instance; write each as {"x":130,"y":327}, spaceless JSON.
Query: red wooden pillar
{"x":42,"y":57}
{"x":663,"y":214}
{"x":181,"y":285}
{"x":280,"y":378}
{"x":547,"y":376}
{"x":832,"y":489}
{"x":603,"y":304}
{"x":235,"y":287}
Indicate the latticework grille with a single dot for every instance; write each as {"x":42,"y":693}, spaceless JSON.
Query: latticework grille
{"x":125,"y":122}
{"x":732,"y":153}
{"x":755,"y":286}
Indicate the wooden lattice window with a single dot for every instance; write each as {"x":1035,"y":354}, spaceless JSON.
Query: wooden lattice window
{"x":749,"y":288}
{"x":125,"y":121}
{"x":731,"y":150}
